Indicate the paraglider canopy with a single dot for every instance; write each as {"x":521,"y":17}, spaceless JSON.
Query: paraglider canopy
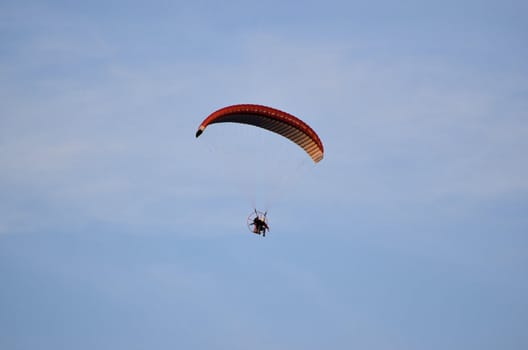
{"x":270,"y":119}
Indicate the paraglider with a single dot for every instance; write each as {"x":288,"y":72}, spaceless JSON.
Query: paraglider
{"x":276,"y":121}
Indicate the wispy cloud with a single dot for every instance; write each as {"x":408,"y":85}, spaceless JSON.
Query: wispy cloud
{"x":401,"y":128}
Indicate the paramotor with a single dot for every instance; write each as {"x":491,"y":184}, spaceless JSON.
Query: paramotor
{"x":276,"y":121}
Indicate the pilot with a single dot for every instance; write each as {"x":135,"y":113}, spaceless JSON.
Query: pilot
{"x":260,"y":226}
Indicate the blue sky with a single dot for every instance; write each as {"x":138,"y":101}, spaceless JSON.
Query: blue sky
{"x":118,"y":229}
